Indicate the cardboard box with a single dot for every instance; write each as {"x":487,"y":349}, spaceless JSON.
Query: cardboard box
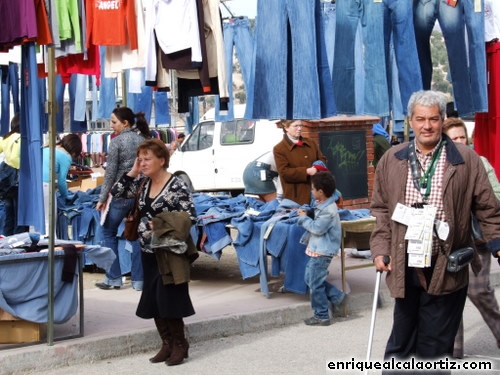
{"x":15,"y":331}
{"x":86,"y":182}
{"x":74,"y":184}
{"x":91,"y":182}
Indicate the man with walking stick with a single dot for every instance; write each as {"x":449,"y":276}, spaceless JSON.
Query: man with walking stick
{"x":424,"y":193}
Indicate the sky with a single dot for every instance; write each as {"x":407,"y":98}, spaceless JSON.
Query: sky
{"x":240,"y":8}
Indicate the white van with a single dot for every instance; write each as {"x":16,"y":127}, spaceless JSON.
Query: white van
{"x":212,"y":158}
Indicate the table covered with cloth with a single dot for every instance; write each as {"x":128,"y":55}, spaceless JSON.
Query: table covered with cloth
{"x":24,"y":283}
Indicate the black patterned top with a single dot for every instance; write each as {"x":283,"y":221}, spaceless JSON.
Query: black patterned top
{"x":175,"y":196}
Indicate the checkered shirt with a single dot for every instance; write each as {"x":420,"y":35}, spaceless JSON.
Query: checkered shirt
{"x":436,"y":195}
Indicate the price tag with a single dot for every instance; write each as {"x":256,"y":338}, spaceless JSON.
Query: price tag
{"x":477,"y":6}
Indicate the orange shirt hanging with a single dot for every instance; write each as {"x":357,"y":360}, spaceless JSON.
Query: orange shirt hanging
{"x":111,"y":23}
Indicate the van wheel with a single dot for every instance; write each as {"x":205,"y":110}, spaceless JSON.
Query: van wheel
{"x":184,"y":177}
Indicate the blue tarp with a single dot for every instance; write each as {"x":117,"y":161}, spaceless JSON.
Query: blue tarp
{"x":24,"y":284}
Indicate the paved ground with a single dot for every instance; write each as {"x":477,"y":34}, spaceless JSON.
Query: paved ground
{"x":295,"y":349}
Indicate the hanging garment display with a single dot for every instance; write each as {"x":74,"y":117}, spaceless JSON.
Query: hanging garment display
{"x":238,"y":40}
{"x":375,"y":95}
{"x":30,"y":177}
{"x":286,"y":81}
{"x":468,"y":70}
{"x":399,"y":38}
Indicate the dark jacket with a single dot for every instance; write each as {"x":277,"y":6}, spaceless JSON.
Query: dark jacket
{"x":172,"y":229}
{"x":291,"y":163}
{"x":466,"y":189}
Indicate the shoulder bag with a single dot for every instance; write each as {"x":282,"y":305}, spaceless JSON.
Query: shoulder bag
{"x":133,"y":218}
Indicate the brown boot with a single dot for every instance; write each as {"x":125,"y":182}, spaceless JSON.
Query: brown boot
{"x":166,"y":338}
{"x":180,"y":345}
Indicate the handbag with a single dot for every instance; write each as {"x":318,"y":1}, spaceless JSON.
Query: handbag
{"x":459,"y":259}
{"x":133,"y":218}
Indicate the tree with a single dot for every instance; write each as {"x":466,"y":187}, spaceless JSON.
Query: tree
{"x":440,"y":67}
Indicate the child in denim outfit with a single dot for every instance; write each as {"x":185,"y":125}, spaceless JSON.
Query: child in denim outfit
{"x":324,"y":232}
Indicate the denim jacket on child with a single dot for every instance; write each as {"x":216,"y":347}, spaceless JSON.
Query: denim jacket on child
{"x":324,"y":231}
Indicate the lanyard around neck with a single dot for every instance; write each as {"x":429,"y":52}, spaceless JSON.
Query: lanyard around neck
{"x":423,"y":183}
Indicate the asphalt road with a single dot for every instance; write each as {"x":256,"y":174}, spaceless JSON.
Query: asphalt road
{"x":296,"y":349}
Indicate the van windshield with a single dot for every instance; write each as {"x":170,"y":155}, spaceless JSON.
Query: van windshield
{"x":237,"y":132}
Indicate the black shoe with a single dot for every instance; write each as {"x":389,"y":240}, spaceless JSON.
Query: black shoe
{"x":105,"y":286}
{"x":313,"y":321}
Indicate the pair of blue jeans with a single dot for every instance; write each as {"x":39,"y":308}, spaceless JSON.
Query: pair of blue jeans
{"x":140,"y":102}
{"x":286,"y":84}
{"x":468,"y":71}
{"x":328,"y":20}
{"x":118,"y":210}
{"x":77,"y":89}
{"x":107,"y":91}
{"x":325,"y":31}
{"x":10,"y":84}
{"x":399,"y":38}
{"x":321,"y":292}
{"x":370,"y":15}
{"x":162,"y":112}
{"x":237,"y":34}
{"x":131,"y":261}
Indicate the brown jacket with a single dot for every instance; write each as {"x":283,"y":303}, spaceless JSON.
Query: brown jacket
{"x":291,"y":163}
{"x":466,"y":189}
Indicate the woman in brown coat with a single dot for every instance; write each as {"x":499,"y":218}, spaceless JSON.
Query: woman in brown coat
{"x":294,"y":157}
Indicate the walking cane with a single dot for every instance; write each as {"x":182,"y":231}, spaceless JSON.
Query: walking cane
{"x":374,"y":310}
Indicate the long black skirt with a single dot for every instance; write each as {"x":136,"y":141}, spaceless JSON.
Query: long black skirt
{"x":162,"y":301}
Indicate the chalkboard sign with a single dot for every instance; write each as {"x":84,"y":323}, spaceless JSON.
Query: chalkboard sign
{"x":346,"y":155}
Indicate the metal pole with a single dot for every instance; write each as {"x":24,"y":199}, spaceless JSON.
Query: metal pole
{"x":50,"y":108}
{"x":124,"y":90}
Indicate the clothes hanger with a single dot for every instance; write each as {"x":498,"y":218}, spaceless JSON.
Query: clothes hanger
{"x":223,"y":2}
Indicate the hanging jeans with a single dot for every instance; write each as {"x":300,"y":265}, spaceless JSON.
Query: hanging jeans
{"x":236,"y":33}
{"x":376,"y":97}
{"x":60,"y":87}
{"x":193,"y":116}
{"x":325,"y":32}
{"x":78,"y":103}
{"x":468,"y":71}
{"x":30,"y":209}
{"x":398,"y":21}
{"x":286,"y":82}
{"x":142,"y":102}
{"x":10,"y":84}
{"x":162,"y":111}
{"x":397,"y":110}
{"x":107,"y":93}
{"x":328,"y":19}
